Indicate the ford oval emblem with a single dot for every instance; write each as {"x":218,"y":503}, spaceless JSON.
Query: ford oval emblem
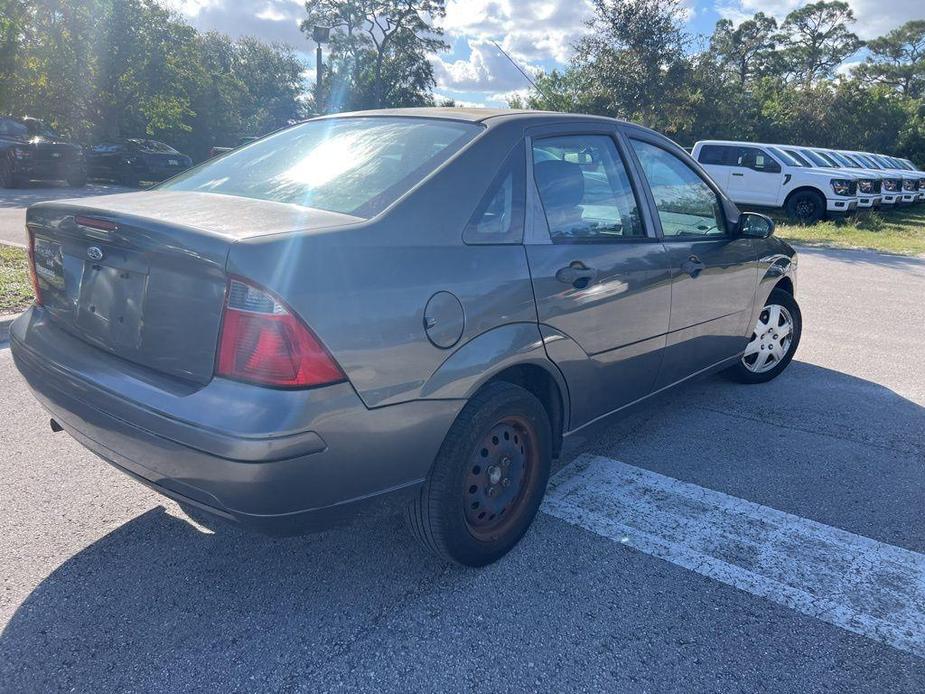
{"x":94,"y":253}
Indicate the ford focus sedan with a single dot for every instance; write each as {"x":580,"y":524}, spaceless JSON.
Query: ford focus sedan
{"x":412,"y":306}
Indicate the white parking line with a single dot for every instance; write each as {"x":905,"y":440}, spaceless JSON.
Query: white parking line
{"x":867,"y":587}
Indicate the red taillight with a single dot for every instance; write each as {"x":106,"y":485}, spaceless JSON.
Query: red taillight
{"x":262,"y":341}
{"x":32,"y":272}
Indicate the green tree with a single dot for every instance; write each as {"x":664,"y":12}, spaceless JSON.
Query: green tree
{"x":379,"y":50}
{"x":897,"y":60}
{"x":748,"y":49}
{"x":817,"y":39}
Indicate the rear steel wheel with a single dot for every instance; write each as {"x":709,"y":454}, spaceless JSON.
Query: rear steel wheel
{"x":488,"y":479}
{"x":504,"y":465}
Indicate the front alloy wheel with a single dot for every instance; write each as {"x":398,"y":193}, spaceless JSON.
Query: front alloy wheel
{"x":773,"y":342}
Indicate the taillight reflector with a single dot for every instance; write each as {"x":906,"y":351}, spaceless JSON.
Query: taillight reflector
{"x":32,"y":272}
{"x":262,"y":341}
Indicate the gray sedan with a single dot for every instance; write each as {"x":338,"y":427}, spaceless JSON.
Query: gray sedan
{"x":413,"y":306}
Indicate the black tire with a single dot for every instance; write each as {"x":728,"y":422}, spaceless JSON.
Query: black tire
{"x":806,"y":206}
{"x":77,"y":180}
{"x":443,"y":516}
{"x":129,"y":179}
{"x":8,"y":179}
{"x":742,"y":373}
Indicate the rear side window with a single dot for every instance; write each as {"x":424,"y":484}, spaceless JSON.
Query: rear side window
{"x":687,"y":206}
{"x":499,"y":218}
{"x":585,"y":190}
{"x":721,"y":155}
{"x":357,"y":166}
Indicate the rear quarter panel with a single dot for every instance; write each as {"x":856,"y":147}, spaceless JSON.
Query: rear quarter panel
{"x":363,"y":290}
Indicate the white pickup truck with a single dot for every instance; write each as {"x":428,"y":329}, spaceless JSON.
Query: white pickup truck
{"x":766,"y":176}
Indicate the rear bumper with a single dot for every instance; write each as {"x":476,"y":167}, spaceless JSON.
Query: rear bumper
{"x":49,"y":170}
{"x":281,"y":462}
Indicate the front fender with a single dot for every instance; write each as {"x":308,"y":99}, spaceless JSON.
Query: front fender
{"x":485,"y":356}
{"x":773,"y":267}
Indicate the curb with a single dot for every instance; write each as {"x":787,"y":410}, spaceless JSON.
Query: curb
{"x":5,"y":322}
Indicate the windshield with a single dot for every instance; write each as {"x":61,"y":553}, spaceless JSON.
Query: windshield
{"x":153,"y":146}
{"x":867,"y":161}
{"x":841,"y":160}
{"x":855,"y":160}
{"x":883,"y":161}
{"x":12,"y":128}
{"x":785,"y":157}
{"x":798,"y":157}
{"x":357,"y":166}
{"x":38,"y":128}
{"x":815,"y":158}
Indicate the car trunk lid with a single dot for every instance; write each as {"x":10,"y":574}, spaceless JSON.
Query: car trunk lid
{"x":142,"y":275}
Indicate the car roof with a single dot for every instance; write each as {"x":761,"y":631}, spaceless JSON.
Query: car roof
{"x":479,"y":115}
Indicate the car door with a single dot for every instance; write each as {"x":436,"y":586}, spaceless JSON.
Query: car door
{"x":755,"y":178}
{"x":714,"y":270}
{"x":600,"y":276}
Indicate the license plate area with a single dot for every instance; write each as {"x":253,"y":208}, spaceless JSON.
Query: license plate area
{"x":49,"y":262}
{"x":110,"y":305}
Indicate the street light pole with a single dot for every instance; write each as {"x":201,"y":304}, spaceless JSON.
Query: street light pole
{"x":320,"y":35}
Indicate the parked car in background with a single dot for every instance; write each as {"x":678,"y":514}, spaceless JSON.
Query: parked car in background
{"x":767,"y":176}
{"x":411,"y":304}
{"x":909,"y":181}
{"x":907,"y":166}
{"x":215,"y":151}
{"x":868,"y":182}
{"x":892,"y":182}
{"x":132,"y":161}
{"x":881,"y":180}
{"x":32,"y":150}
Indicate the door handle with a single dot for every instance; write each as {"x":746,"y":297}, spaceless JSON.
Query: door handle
{"x":577,"y":274}
{"x":693,"y":266}
{"x":738,"y":174}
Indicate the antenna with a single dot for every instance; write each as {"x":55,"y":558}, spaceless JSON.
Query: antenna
{"x":519,"y":69}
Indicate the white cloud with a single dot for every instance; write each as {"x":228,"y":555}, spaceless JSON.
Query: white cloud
{"x":270,"y":20}
{"x":532,"y":32}
{"x":874,"y":17}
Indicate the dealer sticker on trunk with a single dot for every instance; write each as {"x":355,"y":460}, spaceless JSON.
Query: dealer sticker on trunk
{"x":49,"y":262}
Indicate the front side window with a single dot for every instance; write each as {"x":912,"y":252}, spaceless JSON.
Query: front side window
{"x":687,"y":206}
{"x":356,"y":166}
{"x":753,"y":158}
{"x":585,"y":190}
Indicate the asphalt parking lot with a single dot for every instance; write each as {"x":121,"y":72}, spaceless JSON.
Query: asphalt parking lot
{"x":13,"y":204}
{"x":775,"y":544}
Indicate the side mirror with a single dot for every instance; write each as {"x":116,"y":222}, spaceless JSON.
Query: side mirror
{"x":755,"y":226}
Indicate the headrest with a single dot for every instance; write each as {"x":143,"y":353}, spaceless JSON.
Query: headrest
{"x":561,"y":183}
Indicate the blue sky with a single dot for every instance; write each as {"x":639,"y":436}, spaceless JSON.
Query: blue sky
{"x":538,"y":33}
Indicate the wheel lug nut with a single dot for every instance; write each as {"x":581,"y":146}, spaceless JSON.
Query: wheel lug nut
{"x":491,"y":491}
{"x":505,"y":482}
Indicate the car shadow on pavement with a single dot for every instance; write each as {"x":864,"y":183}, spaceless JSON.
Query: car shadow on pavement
{"x":162,"y":604}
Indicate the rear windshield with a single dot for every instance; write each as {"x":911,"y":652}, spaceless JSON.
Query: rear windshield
{"x":357,"y":166}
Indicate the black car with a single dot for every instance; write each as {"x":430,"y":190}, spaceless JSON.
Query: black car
{"x":31,"y":150}
{"x":131,"y":161}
